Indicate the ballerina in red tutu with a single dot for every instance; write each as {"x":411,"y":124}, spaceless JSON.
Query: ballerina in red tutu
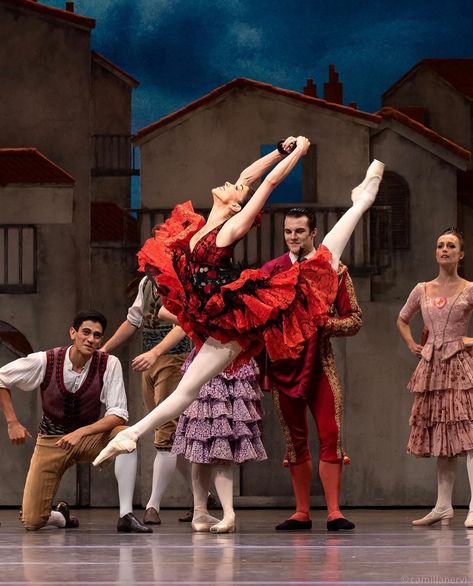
{"x":230,"y":315}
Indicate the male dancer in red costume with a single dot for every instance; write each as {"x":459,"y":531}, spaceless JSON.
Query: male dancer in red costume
{"x":311,"y":382}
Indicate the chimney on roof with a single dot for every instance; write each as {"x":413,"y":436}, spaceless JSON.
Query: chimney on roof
{"x":310,"y":89}
{"x":333,"y":89}
{"x":70,"y":6}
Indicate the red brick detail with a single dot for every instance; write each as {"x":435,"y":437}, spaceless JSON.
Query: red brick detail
{"x":244,"y":83}
{"x":392,"y":113}
{"x":29,"y":166}
{"x":111,"y":223}
{"x":333,"y":89}
{"x":310,"y":89}
{"x":65,"y":15}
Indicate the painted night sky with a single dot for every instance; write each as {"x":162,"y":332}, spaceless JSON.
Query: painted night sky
{"x":181,"y":49}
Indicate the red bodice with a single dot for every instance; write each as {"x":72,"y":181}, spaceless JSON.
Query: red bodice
{"x":253,"y":307}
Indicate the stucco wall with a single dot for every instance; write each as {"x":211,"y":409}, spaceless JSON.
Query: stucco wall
{"x":203,"y":149}
{"x":449,"y":112}
{"x":110,"y":115}
{"x":45,"y":68}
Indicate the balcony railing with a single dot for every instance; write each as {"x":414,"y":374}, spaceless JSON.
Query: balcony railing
{"x":18,"y":254}
{"x":369,"y":250}
{"x":114,"y":155}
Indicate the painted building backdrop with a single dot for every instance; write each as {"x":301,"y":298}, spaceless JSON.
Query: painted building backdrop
{"x":70,"y":169}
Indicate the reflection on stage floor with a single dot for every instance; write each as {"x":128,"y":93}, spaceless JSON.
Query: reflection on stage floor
{"x":383,"y":549}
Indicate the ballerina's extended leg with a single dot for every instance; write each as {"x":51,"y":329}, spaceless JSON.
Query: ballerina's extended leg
{"x":363,"y":197}
{"x":212,"y":358}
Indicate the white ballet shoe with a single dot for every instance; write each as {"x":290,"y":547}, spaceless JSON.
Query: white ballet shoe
{"x":435,"y":516}
{"x":366,"y":192}
{"x":469,"y":520}
{"x":224,"y":526}
{"x":123,"y":443}
{"x":203,"y":523}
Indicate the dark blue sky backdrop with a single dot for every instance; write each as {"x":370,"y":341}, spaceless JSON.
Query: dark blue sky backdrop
{"x":181,"y":49}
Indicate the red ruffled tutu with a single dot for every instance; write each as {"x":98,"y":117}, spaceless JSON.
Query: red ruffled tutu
{"x":277,"y":311}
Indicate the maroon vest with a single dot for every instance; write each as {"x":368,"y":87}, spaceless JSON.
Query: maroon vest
{"x":69,"y":410}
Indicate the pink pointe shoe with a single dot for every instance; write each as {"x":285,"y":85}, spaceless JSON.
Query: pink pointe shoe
{"x":368,"y":188}
{"x":469,"y":520}
{"x":203,"y":523}
{"x":224,"y":526}
{"x":123,"y":443}
{"x":434,"y":517}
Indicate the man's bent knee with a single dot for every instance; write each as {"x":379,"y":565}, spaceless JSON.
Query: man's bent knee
{"x":33,"y":523}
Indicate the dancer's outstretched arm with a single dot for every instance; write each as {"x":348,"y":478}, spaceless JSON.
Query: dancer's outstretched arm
{"x":237,"y":226}
{"x":363,"y":197}
{"x":257,"y":169}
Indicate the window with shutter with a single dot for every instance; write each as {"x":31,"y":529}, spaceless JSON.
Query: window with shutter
{"x":394,"y":192}
{"x":17,"y":258}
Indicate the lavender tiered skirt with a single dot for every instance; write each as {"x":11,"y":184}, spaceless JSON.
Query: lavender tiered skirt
{"x":224,"y":423}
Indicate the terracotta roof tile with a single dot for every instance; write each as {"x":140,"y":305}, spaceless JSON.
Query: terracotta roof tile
{"x":389,"y":112}
{"x":28,"y":165}
{"x":64,"y":15}
{"x":242,"y":82}
{"x":111,"y":223}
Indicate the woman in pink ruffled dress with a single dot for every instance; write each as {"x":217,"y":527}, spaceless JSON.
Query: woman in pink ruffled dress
{"x":442,"y":415}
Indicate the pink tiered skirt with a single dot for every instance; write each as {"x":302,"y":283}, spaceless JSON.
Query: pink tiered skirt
{"x":442,"y":414}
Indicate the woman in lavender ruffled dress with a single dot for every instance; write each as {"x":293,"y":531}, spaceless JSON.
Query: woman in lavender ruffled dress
{"x":442,"y":415}
{"x":220,"y":428}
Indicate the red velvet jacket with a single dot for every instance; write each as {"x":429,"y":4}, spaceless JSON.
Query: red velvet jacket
{"x":294,"y":377}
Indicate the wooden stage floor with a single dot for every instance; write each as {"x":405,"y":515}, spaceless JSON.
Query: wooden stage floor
{"x":383,"y":549}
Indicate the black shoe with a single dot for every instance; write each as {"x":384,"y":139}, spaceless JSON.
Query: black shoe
{"x":294,"y":525}
{"x":151,"y":517}
{"x":187,"y":516}
{"x":340,"y":524}
{"x":130,"y":524}
{"x":71,"y":522}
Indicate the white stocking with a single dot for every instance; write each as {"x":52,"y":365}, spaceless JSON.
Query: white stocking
{"x":201,"y":479}
{"x":125,"y":473}
{"x":445,"y":481}
{"x":339,"y":235}
{"x":469,"y":467}
{"x":212,"y":358}
{"x":223,"y":480}
{"x":163,"y":470}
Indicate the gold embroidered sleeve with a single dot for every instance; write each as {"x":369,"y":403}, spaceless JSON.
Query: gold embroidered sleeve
{"x":345,"y":318}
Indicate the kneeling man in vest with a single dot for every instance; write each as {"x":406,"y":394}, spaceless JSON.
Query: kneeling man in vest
{"x":75,"y":382}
